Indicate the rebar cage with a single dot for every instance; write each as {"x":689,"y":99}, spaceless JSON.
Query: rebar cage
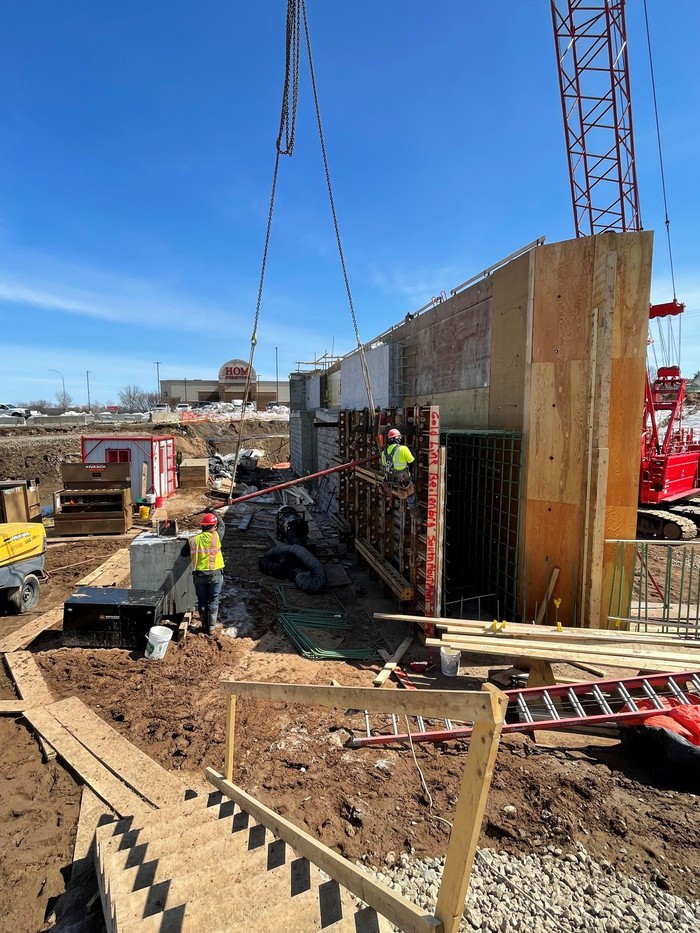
{"x":482,"y":522}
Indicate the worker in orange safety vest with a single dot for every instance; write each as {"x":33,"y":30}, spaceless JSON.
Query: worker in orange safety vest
{"x":208,"y":569}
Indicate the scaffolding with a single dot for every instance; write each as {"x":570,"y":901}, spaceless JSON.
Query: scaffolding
{"x":482,"y":522}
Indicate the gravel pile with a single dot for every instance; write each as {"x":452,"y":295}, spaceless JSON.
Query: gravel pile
{"x":552,"y":893}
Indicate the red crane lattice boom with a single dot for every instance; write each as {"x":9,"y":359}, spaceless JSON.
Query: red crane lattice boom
{"x":591,"y":43}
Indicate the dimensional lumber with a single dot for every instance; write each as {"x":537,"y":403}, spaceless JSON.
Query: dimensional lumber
{"x":28,"y":679}
{"x":664,"y":662}
{"x":130,"y":764}
{"x":529,"y":630}
{"x":471,"y":705}
{"x":398,"y":584}
{"x":93,"y":813}
{"x":14,"y":707}
{"x":587,"y":636}
{"x":395,"y":908}
{"x":548,"y":595}
{"x":391,"y":663}
{"x":108,"y":787}
{"x":114,"y":571}
{"x":466,"y":826}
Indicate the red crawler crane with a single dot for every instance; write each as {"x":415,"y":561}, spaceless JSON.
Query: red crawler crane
{"x":591,"y":42}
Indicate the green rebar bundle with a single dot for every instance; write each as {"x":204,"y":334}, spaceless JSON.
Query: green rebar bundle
{"x":293,"y":620}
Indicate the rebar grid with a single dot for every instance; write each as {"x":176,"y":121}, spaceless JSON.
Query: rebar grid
{"x":483,"y":479}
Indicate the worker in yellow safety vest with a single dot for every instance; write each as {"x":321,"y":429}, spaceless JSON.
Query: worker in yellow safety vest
{"x":396,"y":460}
{"x":208,"y":569}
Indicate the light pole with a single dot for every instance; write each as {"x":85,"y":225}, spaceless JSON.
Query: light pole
{"x":87,"y":376}
{"x":277,"y":379}
{"x":63,"y":400}
{"x":157,"y":365}
{"x":185,"y":391}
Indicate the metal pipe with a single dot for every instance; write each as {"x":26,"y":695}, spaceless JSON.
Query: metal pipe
{"x":302,"y":479}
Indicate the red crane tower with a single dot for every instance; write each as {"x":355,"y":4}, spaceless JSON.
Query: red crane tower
{"x":591,"y":45}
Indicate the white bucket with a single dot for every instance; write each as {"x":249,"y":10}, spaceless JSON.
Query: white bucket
{"x":150,"y":498}
{"x":216,"y":484}
{"x":449,"y":661}
{"x":157,"y":644}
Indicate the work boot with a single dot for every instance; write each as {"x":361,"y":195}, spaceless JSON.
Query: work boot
{"x":204,"y":619}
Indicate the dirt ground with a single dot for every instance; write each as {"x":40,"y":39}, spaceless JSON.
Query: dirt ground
{"x":366,"y":802}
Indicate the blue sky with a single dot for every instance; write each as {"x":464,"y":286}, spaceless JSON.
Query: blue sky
{"x":136,"y":155}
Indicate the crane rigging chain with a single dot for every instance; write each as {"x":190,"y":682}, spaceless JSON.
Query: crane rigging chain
{"x":296,"y":11}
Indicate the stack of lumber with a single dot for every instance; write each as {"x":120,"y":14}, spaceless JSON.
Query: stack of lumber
{"x":193,"y":473}
{"x":664,"y":653}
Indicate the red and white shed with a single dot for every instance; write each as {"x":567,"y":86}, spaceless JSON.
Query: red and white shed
{"x":157,"y":452}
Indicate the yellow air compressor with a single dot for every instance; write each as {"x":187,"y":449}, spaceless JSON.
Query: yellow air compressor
{"x":22,"y":549}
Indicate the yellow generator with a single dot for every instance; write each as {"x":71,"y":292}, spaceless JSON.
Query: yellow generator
{"x":22,"y":549}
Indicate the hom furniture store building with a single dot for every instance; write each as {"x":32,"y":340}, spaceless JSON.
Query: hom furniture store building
{"x":227,"y":387}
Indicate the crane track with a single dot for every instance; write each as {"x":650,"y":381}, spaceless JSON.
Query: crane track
{"x":687,"y":528}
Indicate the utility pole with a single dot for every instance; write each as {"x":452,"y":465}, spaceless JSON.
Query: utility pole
{"x":63,"y":381}
{"x":87,"y":376}
{"x":185,"y":390}
{"x":277,"y":379}
{"x":157,"y":365}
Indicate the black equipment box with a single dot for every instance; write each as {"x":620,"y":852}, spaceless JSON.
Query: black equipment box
{"x":106,"y":617}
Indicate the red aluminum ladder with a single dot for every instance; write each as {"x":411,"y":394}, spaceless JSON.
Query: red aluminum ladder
{"x":559,"y":707}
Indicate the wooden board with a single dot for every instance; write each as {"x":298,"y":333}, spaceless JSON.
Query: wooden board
{"x":392,"y":662}
{"x":134,"y":767}
{"x":28,"y":678}
{"x":400,"y":911}
{"x":93,"y":813}
{"x":471,"y":705}
{"x":398,"y":584}
{"x":108,"y":787}
{"x":14,"y":707}
{"x":661,"y":664}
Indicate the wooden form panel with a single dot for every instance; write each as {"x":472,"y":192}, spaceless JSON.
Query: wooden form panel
{"x":590,"y":318}
{"x":509,"y":321}
{"x":405,"y":555}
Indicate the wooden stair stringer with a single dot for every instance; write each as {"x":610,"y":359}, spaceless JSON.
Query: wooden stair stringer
{"x":214,"y":867}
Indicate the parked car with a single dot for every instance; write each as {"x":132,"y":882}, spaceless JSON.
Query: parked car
{"x":161,"y":406}
{"x":183,"y":406}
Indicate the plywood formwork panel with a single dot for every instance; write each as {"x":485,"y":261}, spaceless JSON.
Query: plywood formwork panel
{"x":509,"y":321}
{"x":557,"y":430}
{"x":561,"y":323}
{"x":591,"y":300}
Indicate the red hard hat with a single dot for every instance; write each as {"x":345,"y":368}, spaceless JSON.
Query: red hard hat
{"x":394,"y":434}
{"x":209,"y":521}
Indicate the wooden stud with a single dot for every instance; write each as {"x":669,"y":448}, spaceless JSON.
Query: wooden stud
{"x":391,"y":663}
{"x":548,"y":595}
{"x":230,"y":734}
{"x":471,"y":705}
{"x":474,"y":789}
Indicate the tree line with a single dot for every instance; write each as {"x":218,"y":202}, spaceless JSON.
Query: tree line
{"x":130,"y":399}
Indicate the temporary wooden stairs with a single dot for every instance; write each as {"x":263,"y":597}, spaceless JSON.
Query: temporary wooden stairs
{"x":207,"y":865}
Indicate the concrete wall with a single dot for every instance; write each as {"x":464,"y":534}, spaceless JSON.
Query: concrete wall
{"x":326,"y":491}
{"x":352,"y":385}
